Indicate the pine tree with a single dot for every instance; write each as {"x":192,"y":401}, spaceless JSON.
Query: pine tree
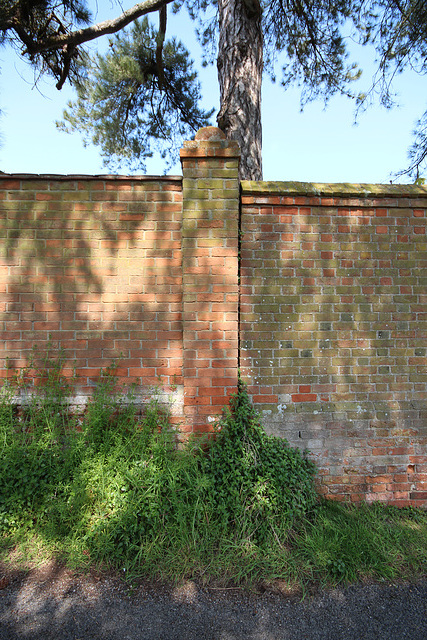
{"x":308,"y":38}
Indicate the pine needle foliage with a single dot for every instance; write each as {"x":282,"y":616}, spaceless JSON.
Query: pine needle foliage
{"x":131,"y":106}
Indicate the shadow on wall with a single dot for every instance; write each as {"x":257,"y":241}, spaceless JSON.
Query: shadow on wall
{"x":94,"y":267}
{"x":334,"y":329}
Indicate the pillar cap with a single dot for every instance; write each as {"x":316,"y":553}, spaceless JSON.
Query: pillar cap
{"x":210,"y":142}
{"x":210,"y":133}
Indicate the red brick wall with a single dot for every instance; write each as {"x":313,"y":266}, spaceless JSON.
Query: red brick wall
{"x":139,"y":270}
{"x":329,"y":296}
{"x":210,"y":237}
{"x":333,"y":330}
{"x":93,"y":265}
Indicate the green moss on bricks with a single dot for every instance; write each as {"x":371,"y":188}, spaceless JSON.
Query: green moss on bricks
{"x":363,"y":190}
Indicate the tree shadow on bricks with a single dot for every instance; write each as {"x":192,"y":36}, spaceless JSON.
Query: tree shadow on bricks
{"x":332,"y":336}
{"x":92,"y":266}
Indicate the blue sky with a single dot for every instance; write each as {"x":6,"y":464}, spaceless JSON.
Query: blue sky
{"x":319,"y":145}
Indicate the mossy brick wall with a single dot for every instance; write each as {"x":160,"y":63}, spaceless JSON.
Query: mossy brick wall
{"x":325,"y":311}
{"x":93,"y":265}
{"x":210,"y":238}
{"x":333,"y":330}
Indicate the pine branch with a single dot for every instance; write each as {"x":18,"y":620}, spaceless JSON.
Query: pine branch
{"x":160,"y":41}
{"x":86,"y":34}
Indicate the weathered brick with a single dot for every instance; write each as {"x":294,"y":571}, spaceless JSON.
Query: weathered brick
{"x":331,"y":309}
{"x":210,"y":259}
{"x":344,"y":327}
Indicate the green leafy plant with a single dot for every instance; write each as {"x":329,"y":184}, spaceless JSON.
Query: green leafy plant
{"x":112,"y":488}
{"x":261,"y":484}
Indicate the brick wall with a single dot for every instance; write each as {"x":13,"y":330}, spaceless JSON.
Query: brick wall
{"x":317,"y":292}
{"x":333,"y":330}
{"x":210,"y":275}
{"x":142,"y":271}
{"x":93,"y":265}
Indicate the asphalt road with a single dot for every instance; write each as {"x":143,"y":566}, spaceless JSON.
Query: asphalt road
{"x":55,"y":604}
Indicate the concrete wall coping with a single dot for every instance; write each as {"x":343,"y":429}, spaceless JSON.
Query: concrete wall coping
{"x":78,"y":176}
{"x":365,"y":190}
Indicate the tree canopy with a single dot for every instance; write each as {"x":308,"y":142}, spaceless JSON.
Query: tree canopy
{"x":144,"y":92}
{"x":130,"y":105}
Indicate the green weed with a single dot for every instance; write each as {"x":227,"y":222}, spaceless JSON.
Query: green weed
{"x":111,"y":488}
{"x":261,"y":486}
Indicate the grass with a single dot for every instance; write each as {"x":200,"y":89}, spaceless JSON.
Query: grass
{"x":112,"y":490}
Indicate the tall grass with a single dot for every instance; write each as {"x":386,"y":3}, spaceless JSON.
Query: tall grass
{"x":112,"y":489}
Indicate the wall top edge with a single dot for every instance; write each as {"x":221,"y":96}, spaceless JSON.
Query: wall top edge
{"x":363,"y":190}
{"x":78,"y":176}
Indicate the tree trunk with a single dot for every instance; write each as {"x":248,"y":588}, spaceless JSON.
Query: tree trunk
{"x":240,"y":66}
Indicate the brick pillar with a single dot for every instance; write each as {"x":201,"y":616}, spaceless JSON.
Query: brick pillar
{"x":210,"y":227}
